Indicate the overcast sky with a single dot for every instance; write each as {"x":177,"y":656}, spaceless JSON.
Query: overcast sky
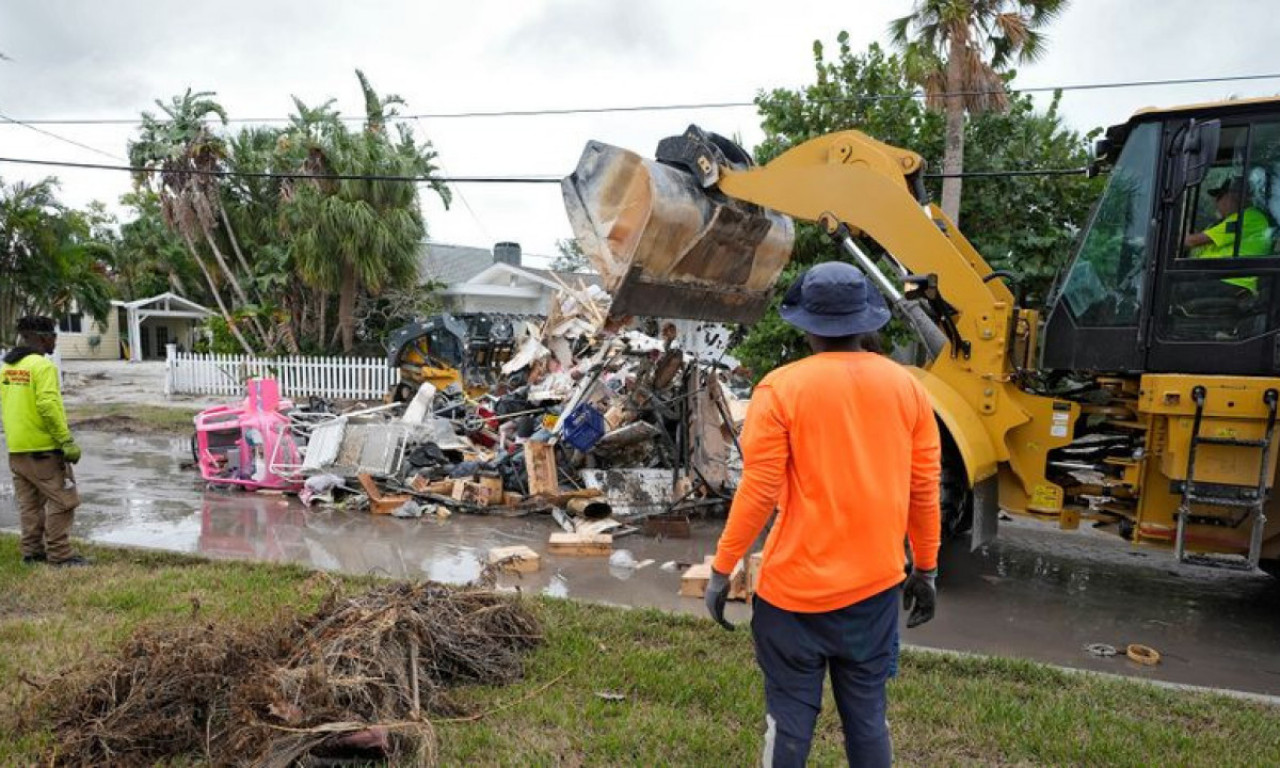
{"x":112,"y":58}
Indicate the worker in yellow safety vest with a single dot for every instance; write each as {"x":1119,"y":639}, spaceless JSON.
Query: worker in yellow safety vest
{"x":41,"y":448}
{"x":1245,"y":223}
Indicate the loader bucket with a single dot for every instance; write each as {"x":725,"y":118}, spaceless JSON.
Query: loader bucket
{"x":666,"y":247}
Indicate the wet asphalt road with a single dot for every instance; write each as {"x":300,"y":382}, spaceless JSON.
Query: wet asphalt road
{"x":1037,"y":593}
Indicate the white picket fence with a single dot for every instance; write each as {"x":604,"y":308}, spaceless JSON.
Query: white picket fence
{"x":339,"y":378}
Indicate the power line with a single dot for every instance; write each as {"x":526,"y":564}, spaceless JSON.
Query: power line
{"x":63,"y":139}
{"x":511,"y":179}
{"x":1022,"y":172}
{"x":550,"y":112}
{"x":287,"y":175}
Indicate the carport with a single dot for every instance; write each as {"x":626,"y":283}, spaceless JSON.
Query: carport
{"x":168,"y":306}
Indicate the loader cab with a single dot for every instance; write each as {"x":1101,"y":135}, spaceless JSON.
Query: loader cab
{"x":1178,"y":269}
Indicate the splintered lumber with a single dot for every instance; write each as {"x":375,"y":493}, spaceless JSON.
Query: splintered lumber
{"x":540,"y":463}
{"x":518,"y":559}
{"x":493,"y":484}
{"x":472,"y":493}
{"x":379,"y":504}
{"x":581,"y":544}
{"x":440,"y":487}
{"x":696,"y":577}
{"x":738,"y":585}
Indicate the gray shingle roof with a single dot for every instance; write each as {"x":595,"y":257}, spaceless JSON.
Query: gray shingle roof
{"x":451,"y":264}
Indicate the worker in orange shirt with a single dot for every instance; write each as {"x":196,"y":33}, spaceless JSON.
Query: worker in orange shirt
{"x":845,"y":445}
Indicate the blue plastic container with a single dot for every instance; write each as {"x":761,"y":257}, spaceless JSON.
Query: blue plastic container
{"x":584,"y":427}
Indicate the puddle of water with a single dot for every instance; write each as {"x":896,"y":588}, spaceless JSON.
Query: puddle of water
{"x":1036,"y":593}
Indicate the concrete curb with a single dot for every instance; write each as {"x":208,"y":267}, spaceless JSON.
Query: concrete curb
{"x":1261,"y":698}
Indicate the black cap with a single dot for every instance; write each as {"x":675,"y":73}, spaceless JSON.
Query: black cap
{"x":1229,"y":184}
{"x":37,"y":324}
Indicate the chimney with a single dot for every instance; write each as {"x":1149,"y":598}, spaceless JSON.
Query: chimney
{"x":506,"y":253}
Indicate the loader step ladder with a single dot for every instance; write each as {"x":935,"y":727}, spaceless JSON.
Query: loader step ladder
{"x":1252,"y":500}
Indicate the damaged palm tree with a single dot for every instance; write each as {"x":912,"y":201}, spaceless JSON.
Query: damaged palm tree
{"x":182,"y":157}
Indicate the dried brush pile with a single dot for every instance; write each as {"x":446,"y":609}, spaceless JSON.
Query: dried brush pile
{"x":361,"y":676}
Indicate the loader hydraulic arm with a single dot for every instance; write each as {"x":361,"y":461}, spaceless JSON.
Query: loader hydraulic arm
{"x":699,"y":232}
{"x":872,"y":187}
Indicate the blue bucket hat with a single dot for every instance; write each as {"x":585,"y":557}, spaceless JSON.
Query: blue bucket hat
{"x":834,"y":299}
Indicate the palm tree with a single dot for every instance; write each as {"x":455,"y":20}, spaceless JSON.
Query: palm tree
{"x":171,"y":149}
{"x":957,"y":50}
{"x":358,"y":235}
{"x":48,"y":257}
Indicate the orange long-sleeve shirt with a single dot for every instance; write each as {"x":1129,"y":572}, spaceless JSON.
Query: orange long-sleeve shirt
{"x":845,"y":445}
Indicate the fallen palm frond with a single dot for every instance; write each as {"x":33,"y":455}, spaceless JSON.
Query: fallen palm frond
{"x":360,"y":676}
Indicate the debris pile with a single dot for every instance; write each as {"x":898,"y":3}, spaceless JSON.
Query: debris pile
{"x":606,"y":424}
{"x":359,"y":678}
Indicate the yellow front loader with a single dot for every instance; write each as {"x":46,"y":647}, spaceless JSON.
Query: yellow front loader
{"x":1143,"y":400}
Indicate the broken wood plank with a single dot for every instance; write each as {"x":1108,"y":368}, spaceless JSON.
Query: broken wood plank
{"x":582,"y":544}
{"x":563,"y":499}
{"x":471,"y":493}
{"x":693,"y":583}
{"x":738,"y":585}
{"x":440,"y":487}
{"x":379,"y":504}
{"x":540,"y":463}
{"x":518,"y":559}
{"x":493,"y":484}
{"x":754,"y":561}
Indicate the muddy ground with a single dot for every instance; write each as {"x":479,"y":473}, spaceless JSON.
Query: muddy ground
{"x":1037,"y":593}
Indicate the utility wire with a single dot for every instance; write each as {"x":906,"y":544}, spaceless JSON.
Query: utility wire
{"x":63,"y":139}
{"x":695,"y":105}
{"x":299,"y":175}
{"x":1023,"y":172}
{"x":529,"y":179}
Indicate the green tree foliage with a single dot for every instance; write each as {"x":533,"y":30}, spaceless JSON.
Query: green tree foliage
{"x":350,"y":236}
{"x":1023,"y":224}
{"x":180,"y":150}
{"x":958,"y":51}
{"x":48,"y":257}
{"x":357,"y":236}
{"x":148,"y":257}
{"x":278,"y":255}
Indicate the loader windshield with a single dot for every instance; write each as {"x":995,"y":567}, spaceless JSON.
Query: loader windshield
{"x":1104,"y":286}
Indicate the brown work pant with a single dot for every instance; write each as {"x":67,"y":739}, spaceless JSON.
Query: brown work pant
{"x":47,"y":499}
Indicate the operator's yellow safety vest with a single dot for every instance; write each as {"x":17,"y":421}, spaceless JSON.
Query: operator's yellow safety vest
{"x":1255,"y":240}
{"x":31,"y":405}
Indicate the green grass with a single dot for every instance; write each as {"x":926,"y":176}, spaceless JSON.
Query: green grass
{"x":692,"y":691}
{"x":128,"y":417}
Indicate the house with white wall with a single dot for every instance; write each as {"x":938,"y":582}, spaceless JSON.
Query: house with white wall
{"x":478,"y":280}
{"x":132,"y":330}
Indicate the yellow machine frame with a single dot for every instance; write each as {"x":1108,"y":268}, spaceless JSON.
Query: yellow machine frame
{"x":999,"y":429}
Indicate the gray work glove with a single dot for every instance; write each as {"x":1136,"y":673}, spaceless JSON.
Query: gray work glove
{"x":920,"y":596}
{"x":716,"y":595}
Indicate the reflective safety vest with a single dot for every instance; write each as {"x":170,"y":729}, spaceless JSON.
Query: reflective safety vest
{"x":1255,"y":240}
{"x":31,"y":404}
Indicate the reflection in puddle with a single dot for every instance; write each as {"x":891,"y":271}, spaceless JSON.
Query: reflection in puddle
{"x":1034,"y":593}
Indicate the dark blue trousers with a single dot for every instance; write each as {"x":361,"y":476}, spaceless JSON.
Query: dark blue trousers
{"x":858,"y":645}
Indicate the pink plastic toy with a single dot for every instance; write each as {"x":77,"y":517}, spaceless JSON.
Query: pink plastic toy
{"x":250,"y":445}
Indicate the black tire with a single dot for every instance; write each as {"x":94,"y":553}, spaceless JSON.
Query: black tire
{"x":956,"y":495}
{"x":195,"y":449}
{"x":403,"y":393}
